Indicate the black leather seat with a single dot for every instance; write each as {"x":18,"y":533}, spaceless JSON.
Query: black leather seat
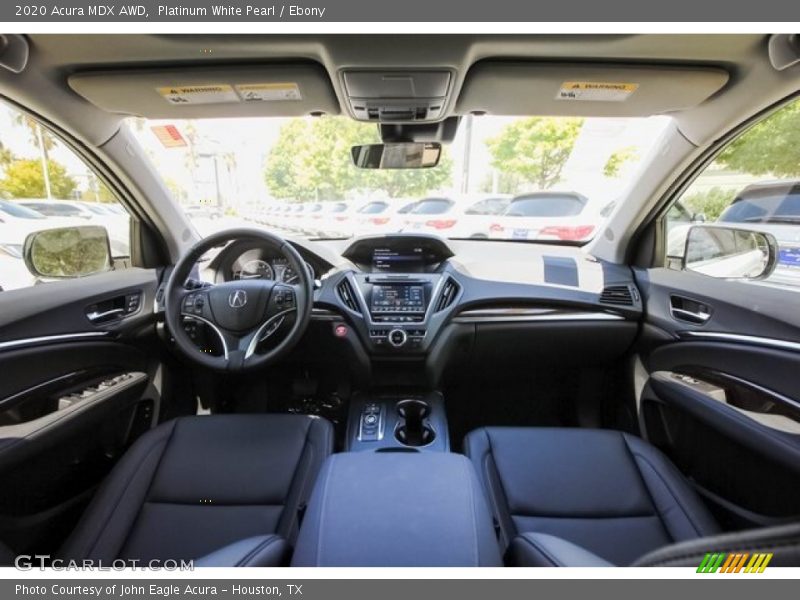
{"x":226,"y":486}
{"x":574,"y":490}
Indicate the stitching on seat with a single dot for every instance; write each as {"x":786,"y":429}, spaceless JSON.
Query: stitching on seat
{"x":262,"y":546}
{"x":487,"y":457}
{"x":309,"y":452}
{"x":323,"y":502}
{"x":547,"y":555}
{"x":150,"y":485}
{"x":680,"y":504}
{"x":472,"y":511}
{"x":653,"y":503}
{"x":111,"y":513}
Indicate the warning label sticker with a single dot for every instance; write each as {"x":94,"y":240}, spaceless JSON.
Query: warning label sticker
{"x":169,"y":136}
{"x":198,"y":94}
{"x":593,"y":91}
{"x":268,"y":92}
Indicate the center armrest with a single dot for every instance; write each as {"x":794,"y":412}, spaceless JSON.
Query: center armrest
{"x":397,"y":509}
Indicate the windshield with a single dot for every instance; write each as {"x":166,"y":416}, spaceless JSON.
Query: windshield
{"x":294,"y":176}
{"x":21,"y":212}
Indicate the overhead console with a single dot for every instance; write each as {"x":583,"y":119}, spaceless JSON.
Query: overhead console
{"x":397,"y":96}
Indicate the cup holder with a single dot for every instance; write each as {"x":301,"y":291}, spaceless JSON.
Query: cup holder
{"x":413,"y":430}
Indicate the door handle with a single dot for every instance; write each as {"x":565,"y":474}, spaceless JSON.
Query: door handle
{"x":688,"y":315}
{"x":686,"y":309}
{"x":100,"y":316}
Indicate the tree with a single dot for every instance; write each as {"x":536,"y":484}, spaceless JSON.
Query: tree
{"x":770,"y":148}
{"x":619,"y":159}
{"x":24,"y":179}
{"x":311,"y":161}
{"x":6,"y":155}
{"x":536,"y":149}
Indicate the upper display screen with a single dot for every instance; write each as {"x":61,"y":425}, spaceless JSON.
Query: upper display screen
{"x":391,"y":260}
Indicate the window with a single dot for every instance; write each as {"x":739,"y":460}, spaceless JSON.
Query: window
{"x":754,"y":183}
{"x":45,"y":185}
{"x":432,"y":206}
{"x":546,"y":205}
{"x":250,"y":163}
{"x":373,"y":208}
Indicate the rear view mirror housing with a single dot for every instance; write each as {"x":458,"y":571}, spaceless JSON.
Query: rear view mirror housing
{"x":402,"y":155}
{"x":730,"y":252}
{"x":68,"y":252}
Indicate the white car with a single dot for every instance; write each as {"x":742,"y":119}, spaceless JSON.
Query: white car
{"x":117,"y":226}
{"x":382,"y":216}
{"x":550,"y":215}
{"x":466,"y":217}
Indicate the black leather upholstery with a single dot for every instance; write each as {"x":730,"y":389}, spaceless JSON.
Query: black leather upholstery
{"x":194,"y":485}
{"x":608,"y":492}
{"x":543,"y":550}
{"x":397,"y":509}
{"x":258,"y":551}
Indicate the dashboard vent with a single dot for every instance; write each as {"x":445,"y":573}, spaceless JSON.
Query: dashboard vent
{"x":347,"y":295}
{"x":449,"y":292}
{"x":617,"y":294}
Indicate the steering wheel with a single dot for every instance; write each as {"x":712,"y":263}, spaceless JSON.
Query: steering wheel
{"x":243,"y":313}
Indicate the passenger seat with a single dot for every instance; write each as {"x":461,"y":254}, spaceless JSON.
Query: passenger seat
{"x":583,"y":494}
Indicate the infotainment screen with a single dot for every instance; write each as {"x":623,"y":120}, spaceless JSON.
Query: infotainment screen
{"x":411,"y":260}
{"x":398,"y":299}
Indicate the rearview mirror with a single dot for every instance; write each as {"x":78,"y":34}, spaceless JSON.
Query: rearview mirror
{"x":67,"y":252}
{"x":397,"y":156}
{"x":730,"y":253}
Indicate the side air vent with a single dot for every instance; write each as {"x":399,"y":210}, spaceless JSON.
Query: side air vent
{"x":448,"y":295}
{"x":617,"y":294}
{"x":347,"y":295}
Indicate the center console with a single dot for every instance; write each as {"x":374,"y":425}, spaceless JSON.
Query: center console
{"x":392,"y":422}
{"x":399,"y":291}
{"x":399,"y":509}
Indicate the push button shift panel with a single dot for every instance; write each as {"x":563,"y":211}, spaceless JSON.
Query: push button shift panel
{"x":371,"y":427}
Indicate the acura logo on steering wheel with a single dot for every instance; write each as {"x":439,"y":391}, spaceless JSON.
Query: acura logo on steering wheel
{"x":237,"y":299}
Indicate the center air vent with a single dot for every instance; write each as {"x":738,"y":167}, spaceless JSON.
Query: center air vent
{"x":617,"y":294}
{"x":347,"y":295}
{"x":448,"y":295}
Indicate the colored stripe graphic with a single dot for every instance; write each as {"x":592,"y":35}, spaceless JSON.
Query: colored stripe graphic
{"x":734,"y":562}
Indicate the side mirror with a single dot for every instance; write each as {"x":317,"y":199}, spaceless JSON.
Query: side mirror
{"x":67,"y":252}
{"x":412,"y":155}
{"x":730,"y":253}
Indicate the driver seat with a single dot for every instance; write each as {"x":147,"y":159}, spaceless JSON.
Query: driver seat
{"x":222,"y":490}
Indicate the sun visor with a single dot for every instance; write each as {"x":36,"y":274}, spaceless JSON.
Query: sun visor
{"x":203,"y":92}
{"x":592,"y":90}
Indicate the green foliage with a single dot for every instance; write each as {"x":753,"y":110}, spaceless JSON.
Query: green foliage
{"x":772,"y":147}
{"x":24,"y":179}
{"x":617,"y":160}
{"x":70,"y":252}
{"x":710,"y":202}
{"x":535,"y":149}
{"x":311,"y":161}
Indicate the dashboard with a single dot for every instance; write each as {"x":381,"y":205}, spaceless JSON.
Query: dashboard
{"x":401,"y":296}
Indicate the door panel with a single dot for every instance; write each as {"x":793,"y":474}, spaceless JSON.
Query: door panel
{"x":76,"y":390}
{"x":723,"y":396}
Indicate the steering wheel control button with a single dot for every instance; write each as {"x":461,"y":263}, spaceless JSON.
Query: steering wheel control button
{"x":397,"y":338}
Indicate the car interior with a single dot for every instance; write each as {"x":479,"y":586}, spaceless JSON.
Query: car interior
{"x":399,"y":399}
